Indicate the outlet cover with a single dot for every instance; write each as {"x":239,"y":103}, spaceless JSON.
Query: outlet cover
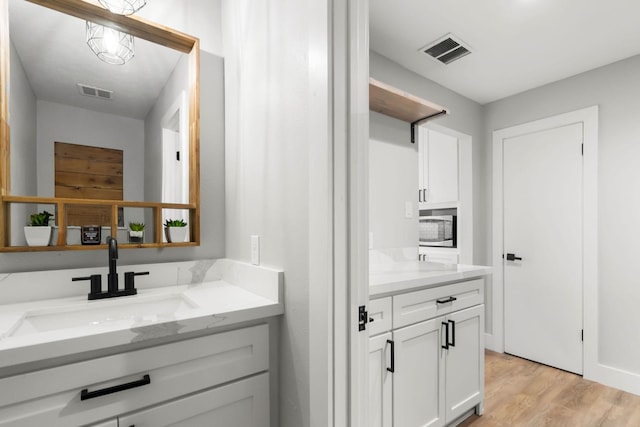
{"x":255,"y":250}
{"x":408,"y":210}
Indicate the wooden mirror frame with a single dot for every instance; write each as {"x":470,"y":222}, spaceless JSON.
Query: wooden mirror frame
{"x":137,"y":27}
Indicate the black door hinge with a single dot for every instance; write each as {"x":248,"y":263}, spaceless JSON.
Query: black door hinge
{"x":582,"y":149}
{"x":363,"y":318}
{"x":582,"y":335}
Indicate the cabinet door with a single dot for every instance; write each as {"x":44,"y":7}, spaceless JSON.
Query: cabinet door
{"x":418,"y":380}
{"x":240,"y":404}
{"x":380,"y":381}
{"x":442,"y":169}
{"x":465,"y":361}
{"x":423,"y":175}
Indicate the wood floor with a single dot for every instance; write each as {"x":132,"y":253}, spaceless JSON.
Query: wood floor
{"x":523,"y":393}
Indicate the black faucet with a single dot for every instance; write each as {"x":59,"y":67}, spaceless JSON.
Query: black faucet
{"x":112,"y":278}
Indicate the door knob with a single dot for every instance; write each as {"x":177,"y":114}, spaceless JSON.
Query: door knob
{"x":513,"y":257}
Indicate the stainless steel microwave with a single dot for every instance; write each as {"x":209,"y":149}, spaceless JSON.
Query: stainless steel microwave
{"x":439,"y":231}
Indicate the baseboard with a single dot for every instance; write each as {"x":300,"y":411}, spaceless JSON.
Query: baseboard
{"x":614,"y":377}
{"x":490,"y":343}
{"x":603,"y":374}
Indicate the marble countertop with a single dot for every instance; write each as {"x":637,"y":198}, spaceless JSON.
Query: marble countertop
{"x":33,"y":331}
{"x":395,"y":277}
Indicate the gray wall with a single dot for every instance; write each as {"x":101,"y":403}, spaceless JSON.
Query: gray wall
{"x":616,"y":91}
{"x":22,"y":122}
{"x":64,"y":123}
{"x":393,"y":181}
{"x":465,"y":116}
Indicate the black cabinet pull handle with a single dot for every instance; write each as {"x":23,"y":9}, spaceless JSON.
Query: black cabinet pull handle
{"x":392,"y":369}
{"x":419,"y":195}
{"x":446,"y":336}
{"x":513,"y":257}
{"x":444,"y":301}
{"x":86,"y":394}
{"x":453,"y":333}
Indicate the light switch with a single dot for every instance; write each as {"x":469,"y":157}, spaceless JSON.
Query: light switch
{"x":255,"y":250}
{"x":408,"y":209}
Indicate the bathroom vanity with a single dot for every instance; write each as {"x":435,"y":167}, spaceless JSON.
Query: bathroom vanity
{"x":192,"y":344}
{"x":426,"y":346}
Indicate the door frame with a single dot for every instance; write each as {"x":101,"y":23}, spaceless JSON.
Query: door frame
{"x":589,"y":118}
{"x":339,"y":209}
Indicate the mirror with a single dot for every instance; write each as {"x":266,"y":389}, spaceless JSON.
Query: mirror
{"x":61,"y":92}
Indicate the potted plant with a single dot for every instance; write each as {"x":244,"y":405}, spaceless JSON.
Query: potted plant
{"x":136,"y":232}
{"x":38,"y":231}
{"x":175,"y":230}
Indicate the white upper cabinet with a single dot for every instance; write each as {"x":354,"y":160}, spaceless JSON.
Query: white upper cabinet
{"x":438,"y":169}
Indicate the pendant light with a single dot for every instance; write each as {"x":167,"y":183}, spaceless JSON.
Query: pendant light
{"x":111,"y":46}
{"x":123,"y":7}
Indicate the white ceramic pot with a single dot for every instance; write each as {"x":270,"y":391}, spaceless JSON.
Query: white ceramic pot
{"x":176,"y":234}
{"x":136,"y":236}
{"x":37,"y":236}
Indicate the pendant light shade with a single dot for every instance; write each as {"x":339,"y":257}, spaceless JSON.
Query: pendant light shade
{"x":111,"y":46}
{"x":123,"y":7}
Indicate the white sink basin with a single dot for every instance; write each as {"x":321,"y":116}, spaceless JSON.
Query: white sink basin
{"x":148,"y":309}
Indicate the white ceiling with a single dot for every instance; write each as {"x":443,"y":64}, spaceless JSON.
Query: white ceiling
{"x":516,"y":45}
{"x":53,"y":51}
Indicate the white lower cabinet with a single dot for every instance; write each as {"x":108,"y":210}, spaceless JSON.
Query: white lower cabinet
{"x":431,"y":372}
{"x":201,"y":381}
{"x":419,"y":375}
{"x":244,"y":403}
{"x":380,"y":382}
{"x":464,"y":364}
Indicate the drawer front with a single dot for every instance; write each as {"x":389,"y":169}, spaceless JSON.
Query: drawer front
{"x":52,"y":397}
{"x":414,"y":307}
{"x":380,"y":310}
{"x":242,"y":403}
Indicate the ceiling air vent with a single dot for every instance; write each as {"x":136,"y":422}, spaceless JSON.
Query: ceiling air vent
{"x":95,"y":92}
{"x":446,"y":49}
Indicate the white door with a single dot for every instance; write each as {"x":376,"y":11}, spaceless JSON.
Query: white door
{"x":542,"y":209}
{"x":380,"y":381}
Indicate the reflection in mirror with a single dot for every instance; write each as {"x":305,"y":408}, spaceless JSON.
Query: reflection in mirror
{"x":60,"y":92}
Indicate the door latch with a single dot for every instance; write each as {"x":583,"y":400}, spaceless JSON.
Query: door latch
{"x":513,"y":257}
{"x":363,"y":318}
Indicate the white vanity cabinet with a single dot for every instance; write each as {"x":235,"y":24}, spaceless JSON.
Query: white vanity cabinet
{"x":427,"y":369}
{"x":218,"y":377}
{"x":243,"y":403}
